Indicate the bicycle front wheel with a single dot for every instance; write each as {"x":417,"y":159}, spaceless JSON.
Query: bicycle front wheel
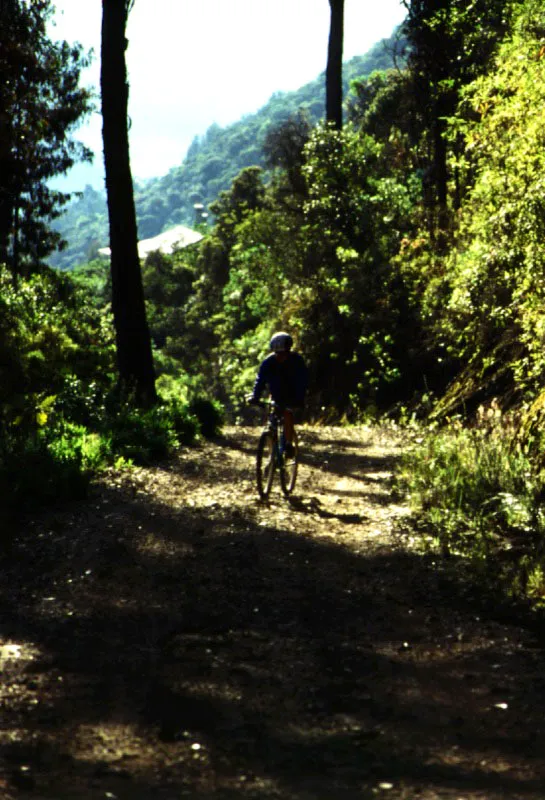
{"x":265,"y":463}
{"x":288,"y":469}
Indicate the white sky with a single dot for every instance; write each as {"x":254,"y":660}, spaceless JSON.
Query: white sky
{"x":192,"y":63}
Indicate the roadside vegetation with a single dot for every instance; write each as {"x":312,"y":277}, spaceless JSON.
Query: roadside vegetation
{"x":476,"y":494}
{"x":63,"y":419}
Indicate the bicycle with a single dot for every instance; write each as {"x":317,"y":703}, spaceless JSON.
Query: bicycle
{"x":271,"y":454}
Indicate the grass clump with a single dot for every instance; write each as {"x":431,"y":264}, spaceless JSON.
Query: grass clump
{"x":477,"y":495}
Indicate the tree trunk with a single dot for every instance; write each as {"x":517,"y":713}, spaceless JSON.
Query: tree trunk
{"x":334,"y":70}
{"x":441,"y":172}
{"x":134,"y":356}
{"x":7,"y":17}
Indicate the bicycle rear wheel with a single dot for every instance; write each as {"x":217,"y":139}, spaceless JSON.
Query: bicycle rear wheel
{"x":288,"y":469}
{"x":265,"y":464}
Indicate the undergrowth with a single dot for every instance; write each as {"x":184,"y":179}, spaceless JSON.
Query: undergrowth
{"x":475,"y":493}
{"x":52,"y":449}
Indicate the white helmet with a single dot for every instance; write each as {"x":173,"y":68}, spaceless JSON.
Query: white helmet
{"x":281,"y":342}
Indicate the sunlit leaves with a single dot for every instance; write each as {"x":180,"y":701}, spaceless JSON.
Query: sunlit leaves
{"x":497,"y":272}
{"x":47,"y":332}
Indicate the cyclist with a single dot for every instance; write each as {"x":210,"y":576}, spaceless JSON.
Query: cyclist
{"x":285,"y":374}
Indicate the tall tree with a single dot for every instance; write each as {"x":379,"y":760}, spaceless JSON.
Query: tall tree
{"x":334,"y":69}
{"x":134,"y":355}
{"x":451,"y":42}
{"x":41,"y":104}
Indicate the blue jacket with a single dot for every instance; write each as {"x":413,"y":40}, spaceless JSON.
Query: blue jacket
{"x":287,"y":380}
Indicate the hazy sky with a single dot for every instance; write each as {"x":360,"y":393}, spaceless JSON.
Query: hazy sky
{"x":194,"y":63}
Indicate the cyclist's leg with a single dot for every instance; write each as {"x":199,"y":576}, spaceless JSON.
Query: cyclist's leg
{"x":265,"y":463}
{"x":289,"y":425}
{"x":288,"y":466}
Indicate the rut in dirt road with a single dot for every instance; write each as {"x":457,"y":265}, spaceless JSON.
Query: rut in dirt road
{"x":173,"y":637}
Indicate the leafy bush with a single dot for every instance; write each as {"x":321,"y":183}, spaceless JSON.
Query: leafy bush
{"x":144,"y":436}
{"x":45,"y":457}
{"x":48,"y":331}
{"x":184,"y":422}
{"x":76,"y":444}
{"x":56,"y":365}
{"x":209,"y":414}
{"x":49,"y":465}
{"x":81,"y":402}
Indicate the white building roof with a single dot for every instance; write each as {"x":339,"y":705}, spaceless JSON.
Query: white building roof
{"x":177,"y":237}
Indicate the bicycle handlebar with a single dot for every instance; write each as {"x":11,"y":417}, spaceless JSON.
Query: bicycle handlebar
{"x":267,"y":404}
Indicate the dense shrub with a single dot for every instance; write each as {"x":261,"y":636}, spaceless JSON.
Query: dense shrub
{"x":209,"y":414}
{"x":145,"y":436}
{"x":50,"y":464}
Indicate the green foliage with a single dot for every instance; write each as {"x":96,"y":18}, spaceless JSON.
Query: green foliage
{"x":82,"y":402}
{"x":59,"y":403}
{"x":56,"y":365}
{"x":33,"y":474}
{"x":60,"y":417}
{"x":48,"y":332}
{"x":313,"y":253}
{"x":94,"y":279}
{"x":450,"y":44}
{"x":477,"y":495}
{"x":334,"y":234}
{"x":144,"y":437}
{"x":326,"y":264}
{"x":48,"y":463}
{"x":168,"y":285}
{"x":209,"y":414}
{"x":41,"y":105}
{"x":487,"y":302}
{"x":337,"y":236}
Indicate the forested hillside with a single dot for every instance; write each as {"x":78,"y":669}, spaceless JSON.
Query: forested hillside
{"x":212,"y":162}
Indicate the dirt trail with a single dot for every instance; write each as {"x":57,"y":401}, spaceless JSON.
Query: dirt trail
{"x":173,"y":637}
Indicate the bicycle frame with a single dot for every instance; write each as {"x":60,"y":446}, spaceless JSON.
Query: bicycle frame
{"x":270,"y":453}
{"x":274,"y":423}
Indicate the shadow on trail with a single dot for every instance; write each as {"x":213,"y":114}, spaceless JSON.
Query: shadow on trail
{"x":362,"y":466}
{"x":252,"y":662}
{"x":313,"y":506}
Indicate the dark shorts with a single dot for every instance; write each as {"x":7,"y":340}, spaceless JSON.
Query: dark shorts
{"x":296,"y":407}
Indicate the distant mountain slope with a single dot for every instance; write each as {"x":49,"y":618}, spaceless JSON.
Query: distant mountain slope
{"x":209,"y":167}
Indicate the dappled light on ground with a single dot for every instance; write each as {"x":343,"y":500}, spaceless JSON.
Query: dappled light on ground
{"x":175,"y":637}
